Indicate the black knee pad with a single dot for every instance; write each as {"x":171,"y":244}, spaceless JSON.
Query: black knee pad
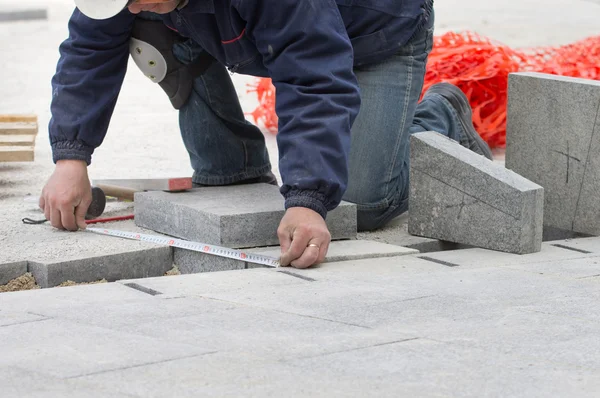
{"x":151,"y":47}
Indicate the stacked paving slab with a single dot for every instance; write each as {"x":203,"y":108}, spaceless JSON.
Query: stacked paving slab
{"x":553,"y":139}
{"x":549,"y":189}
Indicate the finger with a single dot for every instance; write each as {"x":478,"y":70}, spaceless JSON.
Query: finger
{"x":67,"y":216}
{"x":308,"y":257}
{"x":47,"y":210}
{"x":55,"y":218}
{"x":299,"y":242}
{"x":323,"y":252}
{"x":80,"y":212}
{"x":42,"y":202}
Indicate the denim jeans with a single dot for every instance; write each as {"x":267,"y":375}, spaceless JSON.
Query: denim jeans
{"x":390,"y":113}
{"x":224,"y":148}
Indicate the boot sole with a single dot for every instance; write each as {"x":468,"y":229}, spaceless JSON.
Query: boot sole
{"x":460,"y":102}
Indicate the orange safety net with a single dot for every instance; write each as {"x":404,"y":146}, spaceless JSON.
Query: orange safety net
{"x":480,"y":67}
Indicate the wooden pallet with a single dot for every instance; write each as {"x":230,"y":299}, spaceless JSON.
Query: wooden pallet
{"x":17,"y":137}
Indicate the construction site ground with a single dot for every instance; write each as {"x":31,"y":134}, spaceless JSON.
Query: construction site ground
{"x":463,"y":322}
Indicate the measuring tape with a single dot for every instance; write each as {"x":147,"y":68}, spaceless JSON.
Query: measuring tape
{"x":189,"y":245}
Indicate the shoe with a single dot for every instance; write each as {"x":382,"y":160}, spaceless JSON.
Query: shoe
{"x":268,"y":178}
{"x":460,"y":103}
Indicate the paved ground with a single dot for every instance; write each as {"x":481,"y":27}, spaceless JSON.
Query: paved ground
{"x":489,"y":324}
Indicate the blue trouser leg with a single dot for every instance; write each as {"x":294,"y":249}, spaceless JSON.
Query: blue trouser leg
{"x":224,"y":148}
{"x":390,"y":113}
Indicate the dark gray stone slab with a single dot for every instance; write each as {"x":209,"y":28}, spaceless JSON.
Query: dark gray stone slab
{"x":231,"y":216}
{"x":553,"y":139}
{"x":11,"y":271}
{"x":459,"y":196}
{"x":111,"y":266}
{"x":191,"y":262}
{"x":396,"y":233}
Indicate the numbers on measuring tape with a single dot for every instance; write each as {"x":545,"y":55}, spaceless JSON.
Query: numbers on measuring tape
{"x":194,"y":246}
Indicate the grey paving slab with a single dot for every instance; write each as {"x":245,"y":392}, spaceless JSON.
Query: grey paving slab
{"x":133,"y":264}
{"x":459,"y":196}
{"x":396,"y":233}
{"x":9,"y":317}
{"x":265,"y":279}
{"x":22,"y":383}
{"x":573,"y":269}
{"x":591,"y":244}
{"x":55,"y":256}
{"x":231,"y":216}
{"x":78,"y":350}
{"x":191,"y":262}
{"x":403,"y":368}
{"x":51,"y":302}
{"x":271,"y":335}
{"x":10,"y":271}
{"x":553,"y":139}
{"x":349,"y":250}
{"x":480,"y":258}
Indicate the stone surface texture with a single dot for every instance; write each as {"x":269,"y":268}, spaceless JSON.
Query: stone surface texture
{"x":347,"y":250}
{"x":232,"y":216}
{"x":553,"y":139}
{"x":10,"y":271}
{"x":459,"y":196}
{"x":111,"y":266}
{"x":191,"y":262}
{"x":395,"y":325}
{"x":54,"y":256}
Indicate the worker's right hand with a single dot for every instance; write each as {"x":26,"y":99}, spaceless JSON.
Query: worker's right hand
{"x":67,"y":195}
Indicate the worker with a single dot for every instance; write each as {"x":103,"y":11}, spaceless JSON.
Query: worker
{"x":348,"y":76}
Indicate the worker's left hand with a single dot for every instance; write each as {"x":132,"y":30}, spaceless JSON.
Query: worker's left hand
{"x":304,"y":238}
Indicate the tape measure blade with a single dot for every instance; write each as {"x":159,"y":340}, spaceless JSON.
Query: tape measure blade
{"x":191,"y":245}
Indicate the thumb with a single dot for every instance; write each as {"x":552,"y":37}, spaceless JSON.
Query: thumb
{"x":285,"y":242}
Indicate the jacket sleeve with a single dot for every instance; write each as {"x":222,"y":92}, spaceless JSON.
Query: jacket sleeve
{"x":308,"y":54}
{"x":87,"y":82}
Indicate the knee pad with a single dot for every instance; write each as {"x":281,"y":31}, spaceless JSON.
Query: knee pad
{"x":151,"y":47}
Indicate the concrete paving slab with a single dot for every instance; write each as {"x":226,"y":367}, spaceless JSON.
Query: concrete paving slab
{"x":191,"y":262}
{"x":396,"y":233}
{"x":10,"y":271}
{"x":136,"y":264}
{"x":50,"y":302}
{"x":231,"y":216}
{"x":54,"y":256}
{"x":553,"y":139}
{"x":194,"y":285}
{"x":70,"y":355}
{"x":481,"y":258}
{"x":282,"y":335}
{"x":406,"y":367}
{"x":460,"y":196}
{"x":22,"y":383}
{"x":583,"y":245}
{"x":349,"y":250}
{"x":8,"y":317}
{"x":570,"y":269}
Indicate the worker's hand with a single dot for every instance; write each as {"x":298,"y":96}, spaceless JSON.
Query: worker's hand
{"x":304,"y":238}
{"x":67,"y":195}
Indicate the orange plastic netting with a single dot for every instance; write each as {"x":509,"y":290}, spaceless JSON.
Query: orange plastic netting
{"x":480,"y":67}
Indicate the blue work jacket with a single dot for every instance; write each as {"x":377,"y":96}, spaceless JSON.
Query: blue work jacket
{"x":307,"y":47}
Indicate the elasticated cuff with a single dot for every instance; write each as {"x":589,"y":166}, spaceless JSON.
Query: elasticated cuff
{"x":71,"y":150}
{"x":310,"y":199}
